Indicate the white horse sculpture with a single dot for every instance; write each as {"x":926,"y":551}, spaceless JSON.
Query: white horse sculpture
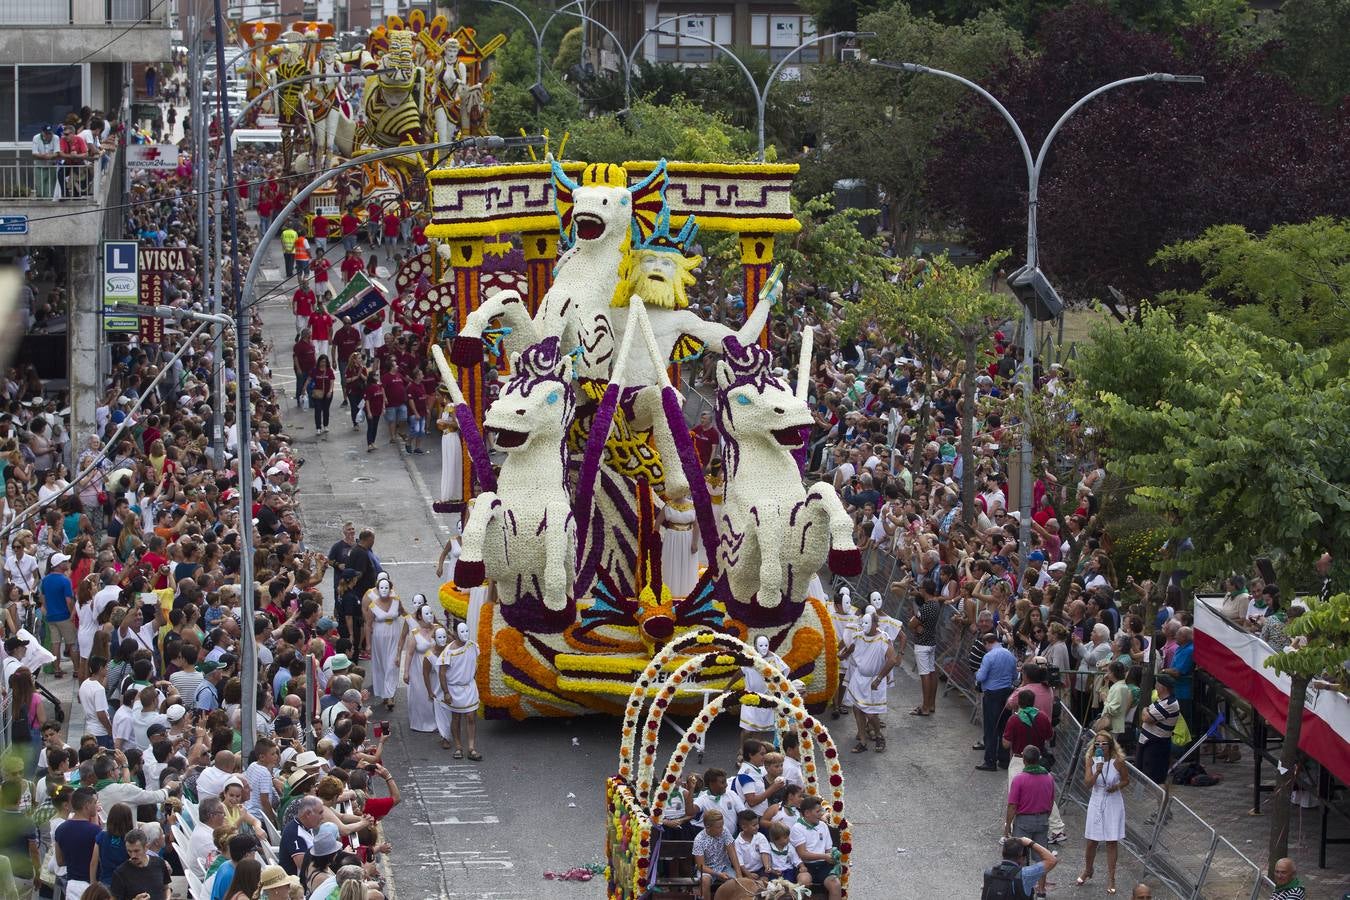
{"x":596,"y":215}
{"x":773,"y":532}
{"x":523,"y":532}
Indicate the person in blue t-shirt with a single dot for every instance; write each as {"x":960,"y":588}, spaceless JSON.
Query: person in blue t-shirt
{"x":58,"y":598}
{"x":1183,"y":669}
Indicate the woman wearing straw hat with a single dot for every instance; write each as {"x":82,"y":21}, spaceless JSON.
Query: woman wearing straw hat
{"x":275,"y":884}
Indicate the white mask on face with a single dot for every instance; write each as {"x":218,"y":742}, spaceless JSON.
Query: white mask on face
{"x":419,"y":601}
{"x":462,"y":632}
{"x":875,"y":598}
{"x":383,"y":588}
{"x":427,"y":614}
{"x":870,"y":610}
{"x":762,"y":645}
{"x":441,"y":637}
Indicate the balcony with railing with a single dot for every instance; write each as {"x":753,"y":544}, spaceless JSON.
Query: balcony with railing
{"x":57,"y":205}
{"x":53,"y":31}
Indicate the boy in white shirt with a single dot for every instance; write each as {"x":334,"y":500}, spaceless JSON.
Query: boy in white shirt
{"x":752,"y":848}
{"x":783,"y":859}
{"x":810,"y":837}
{"x":716,"y":795}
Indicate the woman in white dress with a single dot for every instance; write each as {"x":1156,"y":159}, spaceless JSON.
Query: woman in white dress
{"x":679,"y":546}
{"x":384,"y":622}
{"x":1105,"y":775}
{"x":452,"y":457}
{"x":421,"y":706}
{"x":758,"y":721}
{"x":845,"y":620}
{"x":459,"y":666}
{"x":432,"y":672}
{"x":88,"y":618}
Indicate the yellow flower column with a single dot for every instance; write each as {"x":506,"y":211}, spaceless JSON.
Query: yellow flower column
{"x":541,"y":252}
{"x":466,"y":268}
{"x":756,"y":263}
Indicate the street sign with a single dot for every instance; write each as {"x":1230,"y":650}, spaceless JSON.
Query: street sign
{"x":152,"y":156}
{"x":164,"y":259}
{"x":13,"y":224}
{"x":121,"y":284}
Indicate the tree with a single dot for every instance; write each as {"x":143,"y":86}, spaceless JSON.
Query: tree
{"x":873,"y":125}
{"x":949,"y":310}
{"x":1228,"y":437}
{"x":679,"y":130}
{"x":1319,"y":647}
{"x":569,"y":50}
{"x":1142,"y":166}
{"x":1292,"y":282}
{"x":1312,"y":48}
{"x":658,"y":83}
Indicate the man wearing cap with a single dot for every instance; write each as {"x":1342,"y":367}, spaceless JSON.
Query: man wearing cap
{"x":1155,"y":731}
{"x":1036,"y":576}
{"x":997,"y":672}
{"x":15,"y":650}
{"x":59,"y":606}
{"x":46,"y":152}
{"x":350,"y":704}
{"x":207,"y":696}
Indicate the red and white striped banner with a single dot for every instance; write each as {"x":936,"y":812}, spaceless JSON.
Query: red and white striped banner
{"x":1237,"y":658}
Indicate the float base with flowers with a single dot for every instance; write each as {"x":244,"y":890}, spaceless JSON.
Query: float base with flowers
{"x":636,"y":798}
{"x":592,"y":441}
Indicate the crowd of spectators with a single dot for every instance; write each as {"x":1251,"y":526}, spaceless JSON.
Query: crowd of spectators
{"x":122,"y":561}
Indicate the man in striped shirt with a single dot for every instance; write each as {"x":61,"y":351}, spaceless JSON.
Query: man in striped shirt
{"x":1155,"y":734}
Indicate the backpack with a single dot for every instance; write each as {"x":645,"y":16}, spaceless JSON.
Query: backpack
{"x":1004,"y":882}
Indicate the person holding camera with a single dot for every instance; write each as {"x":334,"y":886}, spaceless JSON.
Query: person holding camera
{"x":1015,"y":876}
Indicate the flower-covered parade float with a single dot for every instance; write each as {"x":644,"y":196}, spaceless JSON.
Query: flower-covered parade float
{"x":561,"y":573}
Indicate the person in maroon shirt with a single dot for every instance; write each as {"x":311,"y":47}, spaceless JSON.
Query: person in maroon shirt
{"x":320,"y":269}
{"x":322,"y":383}
{"x":374,"y":218}
{"x":417,"y":410}
{"x":1027,"y":726}
{"x":345,"y":342}
{"x":350,"y":225}
{"x":391,"y":227}
{"x":354,"y":384}
{"x":419,"y":236}
{"x":302,"y":304}
{"x":375,"y":402}
{"x":352,"y":264}
{"x":321,"y":324}
{"x":320,"y":228}
{"x":302,"y":357}
{"x":265,"y":208}
{"x":705,"y":438}
{"x":395,"y":400}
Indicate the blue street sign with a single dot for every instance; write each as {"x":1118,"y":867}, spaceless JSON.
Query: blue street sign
{"x":13,"y":224}
{"x":121,"y":283}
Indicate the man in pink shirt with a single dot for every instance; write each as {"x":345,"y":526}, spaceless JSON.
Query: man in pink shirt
{"x":1030,"y":797}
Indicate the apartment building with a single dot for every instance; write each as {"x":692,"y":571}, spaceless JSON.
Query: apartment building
{"x":775,"y":27}
{"x":57,"y":56}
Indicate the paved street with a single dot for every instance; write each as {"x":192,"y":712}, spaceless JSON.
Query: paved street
{"x":926,"y":824}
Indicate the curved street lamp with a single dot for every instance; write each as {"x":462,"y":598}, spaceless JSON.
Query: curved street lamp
{"x":630,"y":55}
{"x":1033,"y":166}
{"x":762,"y":96}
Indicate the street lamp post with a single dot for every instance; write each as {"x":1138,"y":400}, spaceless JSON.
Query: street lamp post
{"x":538,"y":34}
{"x":762,"y":96}
{"x":1033,"y":166}
{"x":629,"y":56}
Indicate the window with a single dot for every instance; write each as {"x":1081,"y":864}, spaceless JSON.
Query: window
{"x":710,"y":26}
{"x":780,"y":34}
{"x":46,"y":94}
{"x":7,"y":107}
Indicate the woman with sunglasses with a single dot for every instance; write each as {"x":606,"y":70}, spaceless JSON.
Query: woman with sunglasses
{"x":1105,"y":775}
